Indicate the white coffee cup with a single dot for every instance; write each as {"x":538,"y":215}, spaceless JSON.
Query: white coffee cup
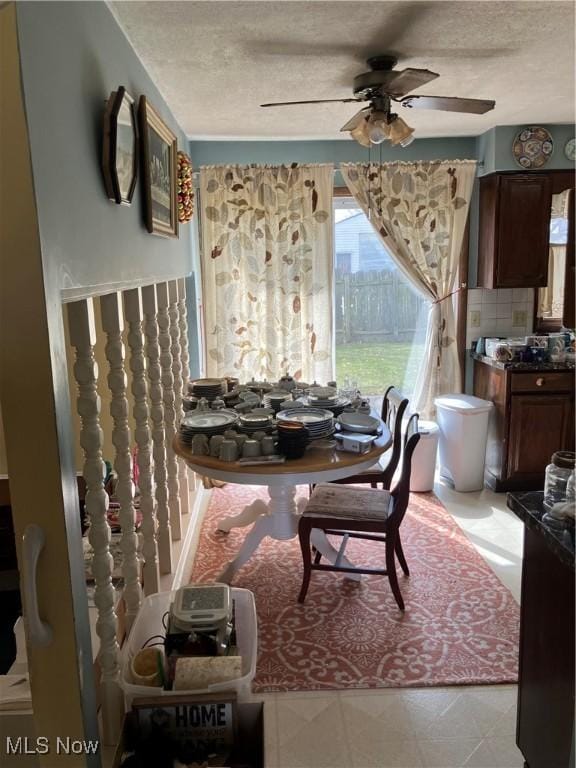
{"x":250,"y":449}
{"x":228,"y":450}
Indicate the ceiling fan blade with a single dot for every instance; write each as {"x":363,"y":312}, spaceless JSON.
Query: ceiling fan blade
{"x":406,"y":80}
{"x":314,"y":101}
{"x":449,"y":104}
{"x":356,"y":120}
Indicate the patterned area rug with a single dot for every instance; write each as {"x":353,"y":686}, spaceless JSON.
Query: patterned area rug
{"x":460,"y":626}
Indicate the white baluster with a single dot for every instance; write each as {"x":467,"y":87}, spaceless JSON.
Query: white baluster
{"x":133,"y":313}
{"x":169,"y":409}
{"x":176,"y":350}
{"x":185,"y":374}
{"x":150,"y":307}
{"x":83,"y":338}
{"x":113,"y":325}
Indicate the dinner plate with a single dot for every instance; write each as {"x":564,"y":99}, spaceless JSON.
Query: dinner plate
{"x":207,"y":383}
{"x":532,"y":147}
{"x":199,"y":421}
{"x":359,"y":422}
{"x":308,"y":416}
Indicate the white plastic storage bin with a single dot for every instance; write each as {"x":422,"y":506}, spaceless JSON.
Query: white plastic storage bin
{"x":463,"y":423}
{"x":149,"y":622}
{"x":424,"y":457}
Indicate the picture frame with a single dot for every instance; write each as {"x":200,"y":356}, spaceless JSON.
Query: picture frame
{"x":159,"y":165}
{"x":120,"y":150}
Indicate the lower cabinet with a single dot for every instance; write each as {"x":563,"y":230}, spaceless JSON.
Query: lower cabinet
{"x":545,"y":722}
{"x":533,"y":417}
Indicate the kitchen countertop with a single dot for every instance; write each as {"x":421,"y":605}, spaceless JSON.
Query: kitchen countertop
{"x":529,"y":508}
{"x":518,"y":366}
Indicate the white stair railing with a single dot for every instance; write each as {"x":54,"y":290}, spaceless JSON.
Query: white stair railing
{"x":169,"y":399}
{"x":183,"y":473}
{"x":176,"y":349}
{"x":140,"y":413}
{"x":152,"y":348}
{"x":83,"y":337}
{"x":113,"y":326}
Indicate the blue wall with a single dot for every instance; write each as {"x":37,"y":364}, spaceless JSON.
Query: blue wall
{"x":494,"y":148}
{"x":337,"y":151}
{"x":73,"y":54}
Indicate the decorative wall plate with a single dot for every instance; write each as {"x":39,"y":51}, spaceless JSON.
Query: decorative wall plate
{"x":532,"y":147}
{"x":570,"y":149}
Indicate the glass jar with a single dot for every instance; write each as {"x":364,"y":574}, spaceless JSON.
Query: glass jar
{"x":557,"y":475}
{"x":571,"y":487}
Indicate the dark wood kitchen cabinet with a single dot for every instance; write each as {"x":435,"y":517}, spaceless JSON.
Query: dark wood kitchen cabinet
{"x":514,"y":230}
{"x":545,"y":720}
{"x":533,"y":417}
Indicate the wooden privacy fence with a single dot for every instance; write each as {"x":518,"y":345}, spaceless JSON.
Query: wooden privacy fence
{"x":375,"y":306}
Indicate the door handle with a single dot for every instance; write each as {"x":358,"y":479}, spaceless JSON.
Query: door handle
{"x":39,"y":633}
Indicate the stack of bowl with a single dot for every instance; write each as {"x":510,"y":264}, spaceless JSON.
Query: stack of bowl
{"x":292,"y":439}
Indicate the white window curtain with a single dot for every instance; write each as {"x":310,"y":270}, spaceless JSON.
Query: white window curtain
{"x":267,"y":268}
{"x":419,"y":211}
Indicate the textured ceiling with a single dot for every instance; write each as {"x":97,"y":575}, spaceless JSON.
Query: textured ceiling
{"x":216,"y":61}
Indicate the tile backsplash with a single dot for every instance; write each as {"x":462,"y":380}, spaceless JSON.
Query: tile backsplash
{"x":499,"y":312}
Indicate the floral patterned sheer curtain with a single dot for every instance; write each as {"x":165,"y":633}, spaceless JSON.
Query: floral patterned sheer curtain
{"x":419,"y":211}
{"x":267,"y":267}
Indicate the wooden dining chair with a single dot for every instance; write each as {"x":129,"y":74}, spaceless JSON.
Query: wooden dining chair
{"x":360,"y":513}
{"x":394,"y":406}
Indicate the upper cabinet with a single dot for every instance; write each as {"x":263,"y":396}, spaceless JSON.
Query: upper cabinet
{"x":514,"y":230}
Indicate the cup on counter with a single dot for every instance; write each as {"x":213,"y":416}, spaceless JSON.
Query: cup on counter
{"x":228,"y":450}
{"x":251,"y":449}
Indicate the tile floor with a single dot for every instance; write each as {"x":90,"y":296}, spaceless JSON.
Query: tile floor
{"x":472,"y":726}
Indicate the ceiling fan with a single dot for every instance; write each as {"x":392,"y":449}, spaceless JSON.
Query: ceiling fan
{"x":383,"y":85}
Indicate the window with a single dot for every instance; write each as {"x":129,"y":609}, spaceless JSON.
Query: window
{"x":380,"y":318}
{"x":343,"y":261}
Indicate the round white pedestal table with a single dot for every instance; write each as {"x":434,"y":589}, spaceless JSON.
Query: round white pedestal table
{"x":278,"y":518}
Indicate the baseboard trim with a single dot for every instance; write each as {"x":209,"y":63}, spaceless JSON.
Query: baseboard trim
{"x":181,"y":575}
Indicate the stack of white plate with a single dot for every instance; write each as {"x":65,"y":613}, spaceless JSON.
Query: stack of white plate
{"x":318,"y":422}
{"x":322,"y":397}
{"x":336,"y":405}
{"x":249,"y":423}
{"x":275,"y":398}
{"x":206,"y":423}
{"x":208,"y":388}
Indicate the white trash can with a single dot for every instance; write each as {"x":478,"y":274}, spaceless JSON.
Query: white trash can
{"x":424,"y":457}
{"x":463,"y":423}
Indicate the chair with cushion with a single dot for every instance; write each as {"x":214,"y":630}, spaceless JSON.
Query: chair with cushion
{"x":360,"y":513}
{"x":394,"y":406}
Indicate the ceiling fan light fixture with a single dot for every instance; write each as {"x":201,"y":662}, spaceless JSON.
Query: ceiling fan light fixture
{"x":378,"y":129}
{"x":360,"y":133}
{"x":400,"y":132}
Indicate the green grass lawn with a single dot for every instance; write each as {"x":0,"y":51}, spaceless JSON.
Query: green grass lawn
{"x":376,"y":366}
